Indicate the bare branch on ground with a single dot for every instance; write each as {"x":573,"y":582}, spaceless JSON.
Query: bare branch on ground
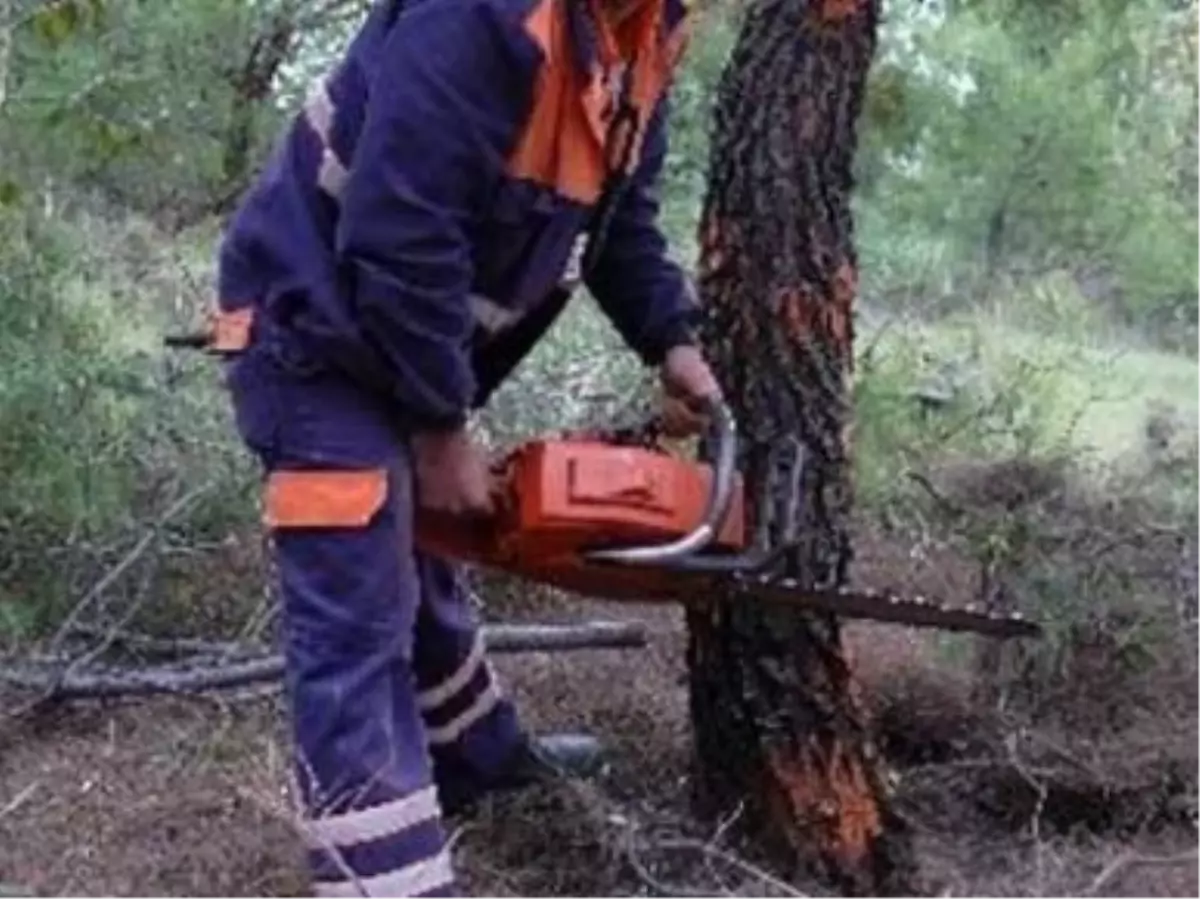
{"x":201,"y":673}
{"x":1122,"y":863}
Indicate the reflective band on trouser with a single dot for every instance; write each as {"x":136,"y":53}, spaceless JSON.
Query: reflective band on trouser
{"x":419,"y":879}
{"x":471,"y":727}
{"x":324,"y":499}
{"x":452,"y":706}
{"x":395,"y":848}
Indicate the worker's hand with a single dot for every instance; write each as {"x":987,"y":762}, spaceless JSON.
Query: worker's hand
{"x":452,"y":474}
{"x":688,"y":385}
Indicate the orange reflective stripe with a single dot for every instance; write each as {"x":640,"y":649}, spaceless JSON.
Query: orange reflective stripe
{"x":543,"y":25}
{"x":230,"y":331}
{"x":624,"y":33}
{"x":324,"y":499}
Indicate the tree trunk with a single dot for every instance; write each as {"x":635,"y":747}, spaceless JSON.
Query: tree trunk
{"x":252,"y":83}
{"x":776,"y":718}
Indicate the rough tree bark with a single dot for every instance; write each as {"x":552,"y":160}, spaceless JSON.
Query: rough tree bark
{"x":776,"y":718}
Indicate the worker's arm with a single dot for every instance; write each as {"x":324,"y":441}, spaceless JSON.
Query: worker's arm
{"x":453,"y":82}
{"x":642,"y":291}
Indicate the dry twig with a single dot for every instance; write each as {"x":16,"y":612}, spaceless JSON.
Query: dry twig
{"x":1039,"y":808}
{"x":1122,"y":863}
{"x":636,"y":848}
{"x":20,"y":799}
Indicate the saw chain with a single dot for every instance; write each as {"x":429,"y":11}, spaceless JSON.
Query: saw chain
{"x":884,"y":605}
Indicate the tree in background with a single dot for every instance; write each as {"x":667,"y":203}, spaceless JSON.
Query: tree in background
{"x":1011,"y":140}
{"x":163,"y":108}
{"x":773,"y":704}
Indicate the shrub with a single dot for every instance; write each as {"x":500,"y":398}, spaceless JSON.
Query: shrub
{"x":99,"y":432}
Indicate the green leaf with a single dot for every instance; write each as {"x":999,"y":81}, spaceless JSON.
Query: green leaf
{"x":56,"y":22}
{"x":111,"y":138}
{"x":10,"y":193}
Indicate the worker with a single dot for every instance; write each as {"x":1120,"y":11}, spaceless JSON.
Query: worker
{"x":436,"y":195}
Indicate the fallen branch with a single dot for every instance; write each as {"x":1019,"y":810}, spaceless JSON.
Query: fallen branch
{"x":1132,"y":860}
{"x":202,"y":675}
{"x":167,"y":646}
{"x":155,"y":679}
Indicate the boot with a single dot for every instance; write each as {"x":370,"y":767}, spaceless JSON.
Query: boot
{"x":536,"y":760}
{"x":554,"y":756}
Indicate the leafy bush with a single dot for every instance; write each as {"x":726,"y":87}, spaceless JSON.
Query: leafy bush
{"x":99,"y":433}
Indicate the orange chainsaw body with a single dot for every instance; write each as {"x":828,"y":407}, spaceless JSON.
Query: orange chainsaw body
{"x":559,"y":498}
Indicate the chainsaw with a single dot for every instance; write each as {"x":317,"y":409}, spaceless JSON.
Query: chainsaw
{"x":635,"y":523}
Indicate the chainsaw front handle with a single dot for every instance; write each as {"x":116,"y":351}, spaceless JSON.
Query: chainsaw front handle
{"x":723,"y":433}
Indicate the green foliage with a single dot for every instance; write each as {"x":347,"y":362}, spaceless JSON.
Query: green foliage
{"x":54,"y":23}
{"x":1064,"y":468}
{"x":1045,"y":26}
{"x":1002,"y":152}
{"x":691,"y":96}
{"x":50,"y":412}
{"x":99,"y":433}
{"x":136,"y":100}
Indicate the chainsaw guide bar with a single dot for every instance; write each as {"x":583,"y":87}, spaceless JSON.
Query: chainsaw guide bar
{"x":878,"y":605}
{"x":619,"y":522}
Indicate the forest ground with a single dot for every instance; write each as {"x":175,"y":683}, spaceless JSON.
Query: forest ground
{"x":189,"y":796}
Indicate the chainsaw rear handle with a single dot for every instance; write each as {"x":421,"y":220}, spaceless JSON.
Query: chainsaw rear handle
{"x":723,"y":432}
{"x":195,"y":340}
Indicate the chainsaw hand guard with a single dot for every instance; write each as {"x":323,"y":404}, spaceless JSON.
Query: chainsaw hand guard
{"x":720,"y":497}
{"x":778,"y":509}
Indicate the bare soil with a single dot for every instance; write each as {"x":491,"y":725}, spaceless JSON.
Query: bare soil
{"x":189,"y":797}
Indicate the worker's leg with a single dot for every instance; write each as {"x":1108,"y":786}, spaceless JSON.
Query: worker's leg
{"x":472,"y":728}
{"x":338,"y":502}
{"x":476,"y":743}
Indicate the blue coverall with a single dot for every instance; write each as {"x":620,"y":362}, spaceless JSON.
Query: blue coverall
{"x":430,"y":195}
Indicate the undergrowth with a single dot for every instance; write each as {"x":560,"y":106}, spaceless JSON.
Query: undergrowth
{"x":100,"y":431}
